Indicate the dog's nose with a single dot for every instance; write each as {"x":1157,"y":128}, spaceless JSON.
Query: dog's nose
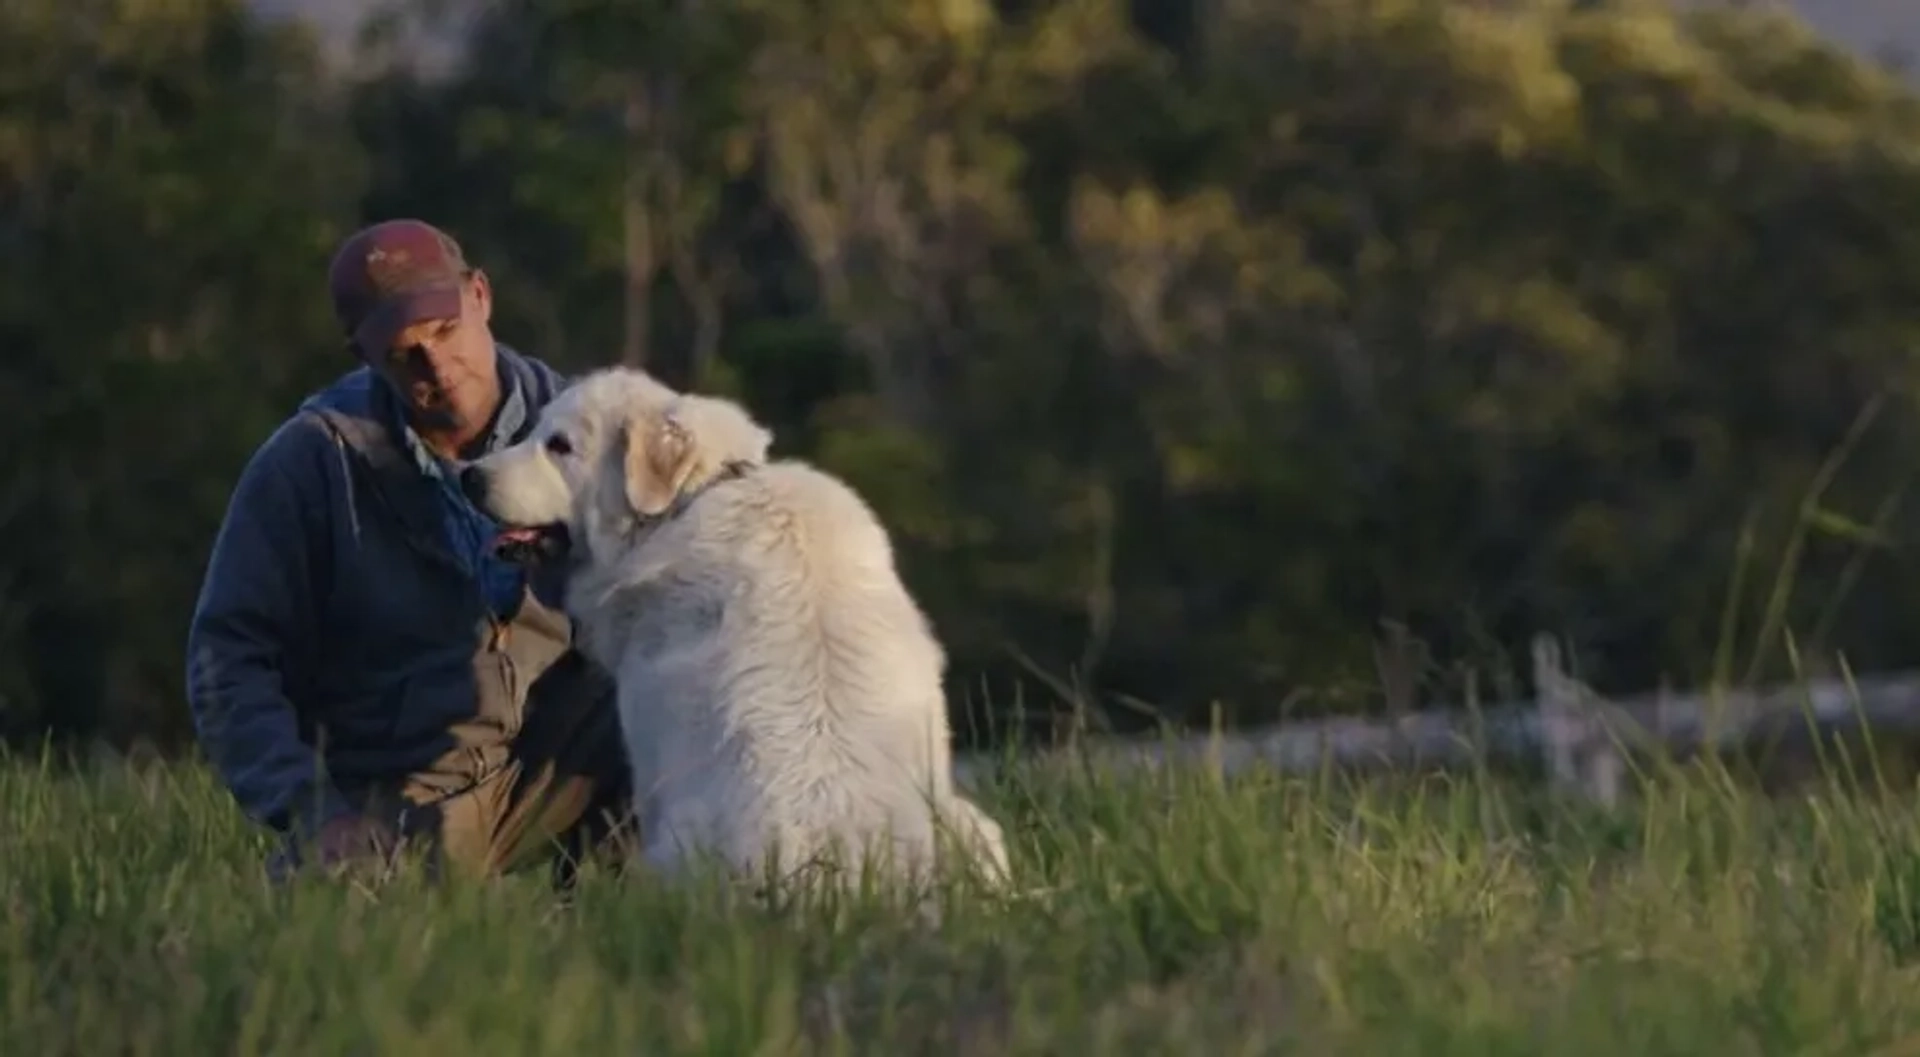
{"x":473,"y":481}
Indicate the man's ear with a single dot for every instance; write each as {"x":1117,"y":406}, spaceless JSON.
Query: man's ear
{"x":659,"y":461}
{"x":483,"y":295}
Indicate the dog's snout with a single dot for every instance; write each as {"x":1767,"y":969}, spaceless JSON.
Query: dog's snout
{"x":473,"y":482}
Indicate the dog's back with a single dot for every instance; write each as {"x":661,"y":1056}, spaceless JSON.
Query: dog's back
{"x":802,"y":697}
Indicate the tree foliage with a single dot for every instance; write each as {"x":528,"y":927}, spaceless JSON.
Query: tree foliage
{"x":171,"y":186}
{"x":1184,"y":347}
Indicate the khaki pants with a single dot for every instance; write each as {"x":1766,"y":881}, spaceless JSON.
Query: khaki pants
{"x":556,"y":791}
{"x":539,"y":774}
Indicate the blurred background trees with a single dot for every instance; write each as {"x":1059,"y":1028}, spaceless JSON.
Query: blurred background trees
{"x":1192,"y":350}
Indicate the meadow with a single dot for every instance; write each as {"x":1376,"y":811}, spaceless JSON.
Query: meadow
{"x":1168,"y":912}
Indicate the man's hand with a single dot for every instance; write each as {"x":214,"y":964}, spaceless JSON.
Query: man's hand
{"x":351,"y":838}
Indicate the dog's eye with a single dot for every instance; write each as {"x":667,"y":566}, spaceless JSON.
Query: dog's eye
{"x":558,"y":444}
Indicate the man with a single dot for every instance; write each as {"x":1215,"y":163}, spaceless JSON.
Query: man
{"x":365,"y":671}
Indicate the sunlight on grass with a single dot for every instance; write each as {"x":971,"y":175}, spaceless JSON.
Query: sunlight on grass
{"x":1172,"y":912}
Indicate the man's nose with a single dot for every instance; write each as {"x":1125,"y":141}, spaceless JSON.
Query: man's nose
{"x":430,"y":362}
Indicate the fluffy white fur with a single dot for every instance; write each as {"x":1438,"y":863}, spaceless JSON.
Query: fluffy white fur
{"x":780,"y":690}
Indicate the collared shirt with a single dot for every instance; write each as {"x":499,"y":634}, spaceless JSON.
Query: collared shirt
{"x":470,"y":531}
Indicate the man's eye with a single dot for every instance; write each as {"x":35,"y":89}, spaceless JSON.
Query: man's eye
{"x":559,"y":445}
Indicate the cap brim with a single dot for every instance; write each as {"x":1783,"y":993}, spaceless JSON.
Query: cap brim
{"x":376,"y":333}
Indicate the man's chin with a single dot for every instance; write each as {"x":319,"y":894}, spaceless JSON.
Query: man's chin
{"x":449,"y":408}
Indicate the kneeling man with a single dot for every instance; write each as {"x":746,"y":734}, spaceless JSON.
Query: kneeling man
{"x":363,"y":669}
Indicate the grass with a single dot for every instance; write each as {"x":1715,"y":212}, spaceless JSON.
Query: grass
{"x":1173,"y":914}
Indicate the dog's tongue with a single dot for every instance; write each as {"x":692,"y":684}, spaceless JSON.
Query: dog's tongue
{"x":517,"y":535}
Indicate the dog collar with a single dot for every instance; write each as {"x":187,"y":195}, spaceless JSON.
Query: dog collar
{"x":732,"y":470}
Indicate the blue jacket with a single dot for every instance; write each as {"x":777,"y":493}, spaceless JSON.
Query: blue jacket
{"x":333,"y":644}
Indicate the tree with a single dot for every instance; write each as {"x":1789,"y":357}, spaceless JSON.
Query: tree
{"x":176,"y":180}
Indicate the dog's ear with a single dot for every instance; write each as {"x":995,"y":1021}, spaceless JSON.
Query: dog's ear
{"x":660,"y":459}
{"x":762,"y":443}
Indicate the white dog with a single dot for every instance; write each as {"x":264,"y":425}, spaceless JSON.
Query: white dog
{"x":780,"y":691}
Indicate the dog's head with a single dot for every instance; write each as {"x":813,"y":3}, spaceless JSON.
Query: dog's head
{"x":612,"y":451}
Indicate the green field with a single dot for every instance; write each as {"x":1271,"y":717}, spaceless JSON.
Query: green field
{"x":1169,"y":914}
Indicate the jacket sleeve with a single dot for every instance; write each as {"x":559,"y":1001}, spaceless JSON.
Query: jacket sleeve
{"x":256,"y":615}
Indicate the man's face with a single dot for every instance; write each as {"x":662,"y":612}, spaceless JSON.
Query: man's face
{"x":446,"y":370}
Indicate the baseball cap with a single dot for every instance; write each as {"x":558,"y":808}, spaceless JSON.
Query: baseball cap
{"x":391,"y":275}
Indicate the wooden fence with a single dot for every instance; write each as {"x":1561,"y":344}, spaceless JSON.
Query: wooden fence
{"x":1582,"y":741}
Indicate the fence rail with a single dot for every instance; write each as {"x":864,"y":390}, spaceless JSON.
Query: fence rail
{"x":1582,"y":740}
